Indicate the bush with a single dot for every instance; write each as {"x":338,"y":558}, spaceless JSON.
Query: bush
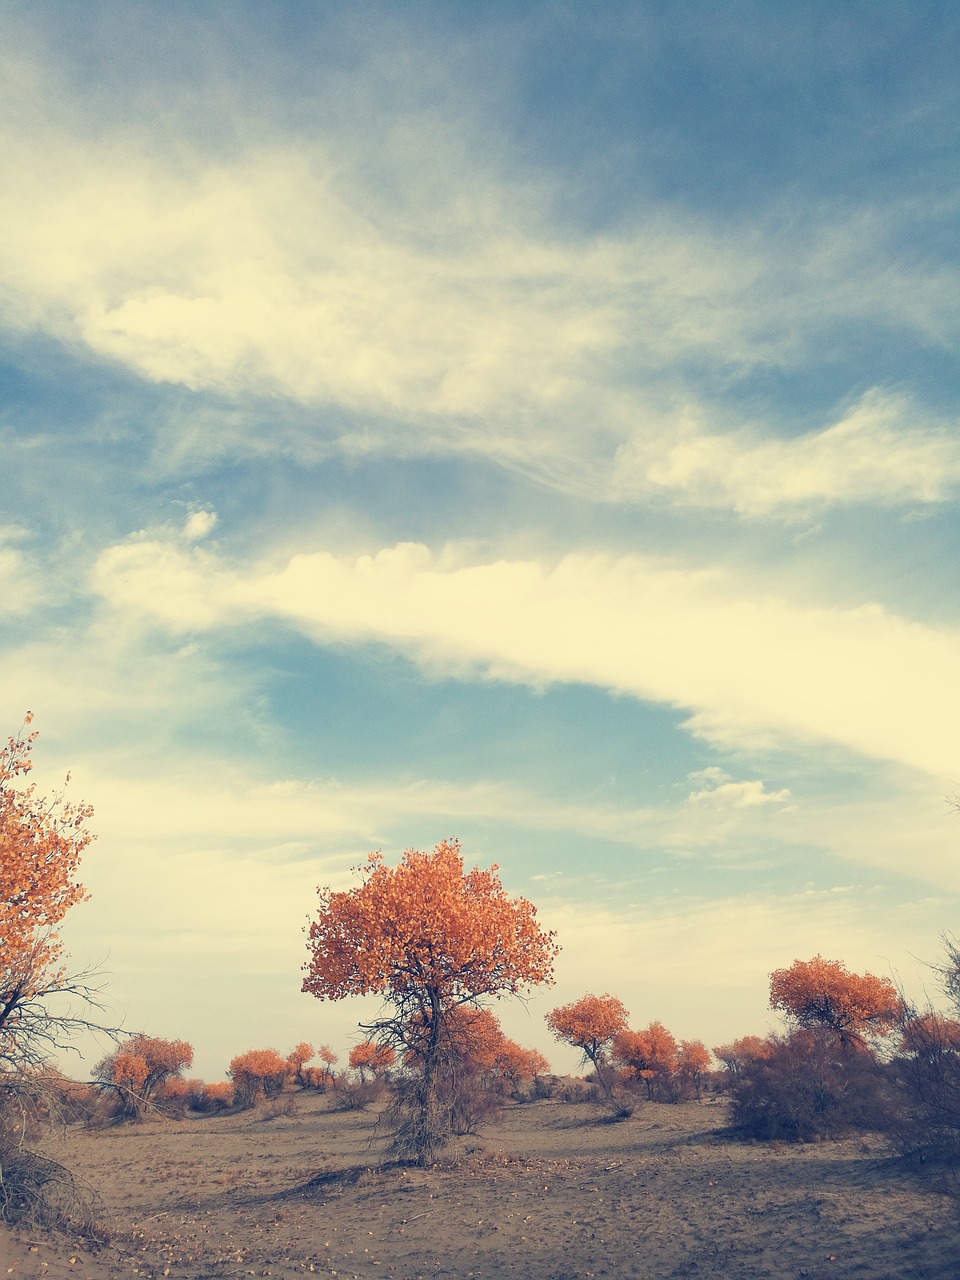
{"x":34,"y":1189}
{"x":928,"y":1075}
{"x":357,"y":1094}
{"x":574,"y":1089}
{"x":812,"y":1085}
{"x":215,"y":1097}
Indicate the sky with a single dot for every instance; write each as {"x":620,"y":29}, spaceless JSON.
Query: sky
{"x":534,"y":423}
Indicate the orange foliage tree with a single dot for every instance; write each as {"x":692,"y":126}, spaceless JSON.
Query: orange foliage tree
{"x":738,"y":1053}
{"x":368,"y":1056}
{"x":41,"y":840}
{"x":649,"y":1055}
{"x":429,"y":937}
{"x":297,"y":1059}
{"x":590,"y":1025}
{"x":693,"y":1059}
{"x":257,"y":1073}
{"x":824,"y":993}
{"x":140,"y":1068}
{"x":516,"y":1065}
{"x":930,"y":1034}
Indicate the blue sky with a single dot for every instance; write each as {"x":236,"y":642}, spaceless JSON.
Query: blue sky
{"x":535,"y":423}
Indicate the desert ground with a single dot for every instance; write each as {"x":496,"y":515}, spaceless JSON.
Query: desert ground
{"x":549,"y":1191}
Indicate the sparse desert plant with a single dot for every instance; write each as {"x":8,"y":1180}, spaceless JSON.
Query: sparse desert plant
{"x":430,"y":938}
{"x":927,"y":1070}
{"x":356,"y":1093}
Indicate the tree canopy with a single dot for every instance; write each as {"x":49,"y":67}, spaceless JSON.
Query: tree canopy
{"x":824,"y":993}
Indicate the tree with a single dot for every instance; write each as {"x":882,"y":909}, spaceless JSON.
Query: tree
{"x":693,"y":1059}
{"x":370,"y":1056}
{"x":429,"y":937}
{"x":739,"y":1052}
{"x":257,"y":1073}
{"x":590,"y":1025}
{"x":140,"y":1068}
{"x":329,"y":1060}
{"x":824,"y":993}
{"x":41,"y":841}
{"x":516,"y":1065}
{"x":649,"y":1055}
{"x":297,"y":1060}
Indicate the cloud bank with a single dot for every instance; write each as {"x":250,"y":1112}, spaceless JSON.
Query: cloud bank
{"x":747,"y":663}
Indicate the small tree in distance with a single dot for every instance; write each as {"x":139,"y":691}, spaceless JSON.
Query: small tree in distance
{"x":649,"y":1055}
{"x":139,"y":1069}
{"x":368,"y":1056}
{"x":429,"y":937}
{"x":590,"y":1024}
{"x":255,"y":1074}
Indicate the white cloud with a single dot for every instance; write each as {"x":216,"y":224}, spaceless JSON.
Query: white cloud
{"x":876,"y":454}
{"x":743,"y":660}
{"x":199,"y":524}
{"x":739,"y":795}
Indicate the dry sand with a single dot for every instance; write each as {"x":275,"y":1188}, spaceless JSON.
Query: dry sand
{"x":549,"y":1191}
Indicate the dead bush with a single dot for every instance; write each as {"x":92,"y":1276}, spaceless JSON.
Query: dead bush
{"x":573,"y":1089}
{"x":35,"y":1189}
{"x":927,"y":1072}
{"x":356,"y":1094}
{"x":812,"y":1085}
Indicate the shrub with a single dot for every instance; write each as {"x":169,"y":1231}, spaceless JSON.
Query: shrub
{"x":215,"y":1097}
{"x":357,"y":1094}
{"x":928,"y":1074}
{"x":34,"y":1189}
{"x":812,"y":1085}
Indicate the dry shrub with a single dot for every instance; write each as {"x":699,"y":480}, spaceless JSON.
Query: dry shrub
{"x":927,"y":1128}
{"x":38,"y":1191}
{"x":34,"y":1189}
{"x":812,"y":1085}
{"x":215,"y":1097}
{"x":542,"y":1088}
{"x":471,"y":1099}
{"x":425,"y":1115}
{"x":355,"y":1094}
{"x":573,"y":1089}
{"x":283,"y":1106}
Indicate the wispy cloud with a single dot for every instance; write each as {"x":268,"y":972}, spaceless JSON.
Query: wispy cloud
{"x":882,"y":452}
{"x":454,"y":316}
{"x":743,"y":659}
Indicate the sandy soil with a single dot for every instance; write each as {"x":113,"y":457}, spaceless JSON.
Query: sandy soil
{"x":549,"y":1191}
